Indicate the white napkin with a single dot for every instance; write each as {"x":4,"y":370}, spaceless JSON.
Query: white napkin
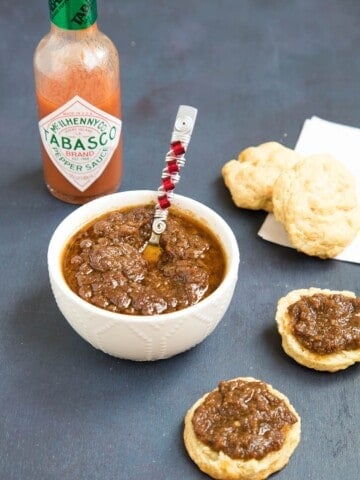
{"x":343,"y":143}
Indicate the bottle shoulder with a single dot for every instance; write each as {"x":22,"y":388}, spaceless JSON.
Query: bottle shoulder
{"x":63,"y":49}
{"x":69,"y":63}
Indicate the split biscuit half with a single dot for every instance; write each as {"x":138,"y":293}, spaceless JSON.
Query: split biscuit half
{"x":331,"y":362}
{"x":221,"y":466}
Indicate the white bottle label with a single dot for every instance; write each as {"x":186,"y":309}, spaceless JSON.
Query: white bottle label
{"x":80,"y":140}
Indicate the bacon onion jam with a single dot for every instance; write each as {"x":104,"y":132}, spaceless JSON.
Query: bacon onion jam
{"x":103,"y":263}
{"x":326,"y":324}
{"x":243,"y":419}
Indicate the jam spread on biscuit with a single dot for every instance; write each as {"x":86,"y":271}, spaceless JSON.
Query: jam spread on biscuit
{"x":326,"y":324}
{"x":243,"y":419}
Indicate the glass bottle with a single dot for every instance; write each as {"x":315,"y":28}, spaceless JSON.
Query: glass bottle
{"x":77,"y":82}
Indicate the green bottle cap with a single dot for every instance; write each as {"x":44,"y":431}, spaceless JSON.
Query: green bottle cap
{"x":73,"y":14}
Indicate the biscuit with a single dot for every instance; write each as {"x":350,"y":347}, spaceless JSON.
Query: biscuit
{"x":316,"y":200}
{"x":331,"y":362}
{"x":220,"y":465}
{"x":250,"y":179}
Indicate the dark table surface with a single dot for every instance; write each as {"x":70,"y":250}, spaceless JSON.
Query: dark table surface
{"x":255,"y":70}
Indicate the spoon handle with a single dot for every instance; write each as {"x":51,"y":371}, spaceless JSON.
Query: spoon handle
{"x":175,"y":159}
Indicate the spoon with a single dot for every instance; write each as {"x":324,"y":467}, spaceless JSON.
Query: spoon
{"x":183,"y":128}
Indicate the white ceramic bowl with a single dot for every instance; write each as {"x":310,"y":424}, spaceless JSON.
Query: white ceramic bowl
{"x":138,"y":337}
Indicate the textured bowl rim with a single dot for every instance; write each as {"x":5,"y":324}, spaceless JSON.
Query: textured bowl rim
{"x":85,"y":214}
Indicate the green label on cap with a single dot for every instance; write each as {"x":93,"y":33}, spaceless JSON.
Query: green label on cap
{"x":73,"y":14}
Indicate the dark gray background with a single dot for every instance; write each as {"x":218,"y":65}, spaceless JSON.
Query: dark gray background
{"x":255,"y":70}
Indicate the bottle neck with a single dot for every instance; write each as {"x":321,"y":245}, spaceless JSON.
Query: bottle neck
{"x":73,"y":14}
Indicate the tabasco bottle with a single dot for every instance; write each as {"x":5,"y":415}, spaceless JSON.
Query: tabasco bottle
{"x":77,"y":83}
